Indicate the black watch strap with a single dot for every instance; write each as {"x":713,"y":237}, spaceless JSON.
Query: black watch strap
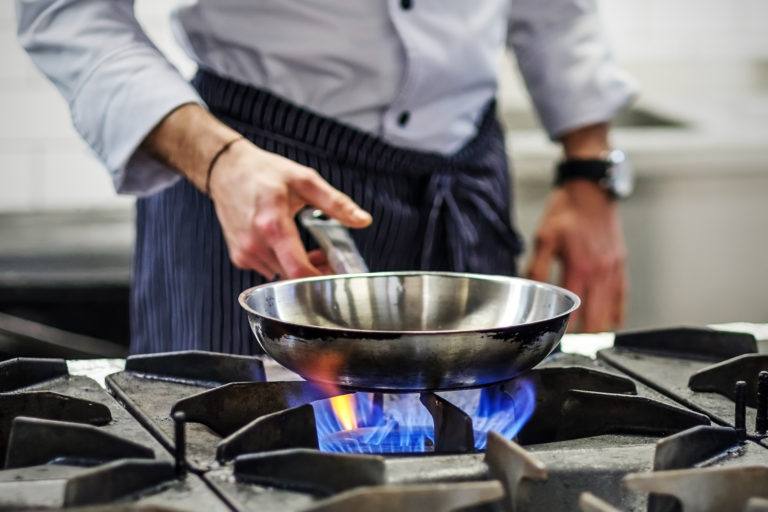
{"x":592,"y":170}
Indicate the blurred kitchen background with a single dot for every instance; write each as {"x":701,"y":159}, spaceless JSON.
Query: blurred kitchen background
{"x":697,"y":227}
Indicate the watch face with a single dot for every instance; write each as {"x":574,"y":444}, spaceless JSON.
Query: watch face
{"x":621,"y":175}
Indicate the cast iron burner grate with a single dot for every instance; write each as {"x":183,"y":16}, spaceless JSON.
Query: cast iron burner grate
{"x":548,"y":404}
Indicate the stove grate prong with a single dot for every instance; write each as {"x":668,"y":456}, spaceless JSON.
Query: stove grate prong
{"x":725,"y":489}
{"x":180,"y":443}
{"x":311,"y":470}
{"x":740,"y":409}
{"x":719,"y":378}
{"x":588,"y":502}
{"x":510,"y":463}
{"x":228,"y":408}
{"x":36,"y":441}
{"x":454,"y":432}
{"x":291,"y":428}
{"x":197,"y":367}
{"x":761,"y":420}
{"x":443,"y":497}
{"x":47,"y":405}
{"x":27,"y":371}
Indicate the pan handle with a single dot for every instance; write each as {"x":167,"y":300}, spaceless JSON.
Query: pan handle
{"x":334,"y":239}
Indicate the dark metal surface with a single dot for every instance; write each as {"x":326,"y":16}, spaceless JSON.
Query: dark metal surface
{"x":669,"y":376}
{"x":687,"y":449}
{"x":581,"y":413}
{"x":189,"y":493}
{"x":198,"y":366}
{"x":761,"y":415}
{"x":150,"y":400}
{"x":35,"y":441}
{"x":590,"y":413}
{"x":25,"y":371}
{"x":227,"y":408}
{"x":552,"y":387}
{"x":408,"y":330}
{"x":740,"y":409}
{"x":688,"y":342}
{"x":21,"y":337}
{"x":693,"y":446}
{"x":291,"y":428}
{"x":558,"y":380}
{"x":65,"y":486}
{"x":720,"y":378}
{"x":180,"y":443}
{"x":453,"y":427}
{"x":47,"y":405}
{"x":111,"y":481}
{"x":311,"y":470}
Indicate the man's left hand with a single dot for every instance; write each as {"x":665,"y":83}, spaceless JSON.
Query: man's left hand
{"x":581,"y":228}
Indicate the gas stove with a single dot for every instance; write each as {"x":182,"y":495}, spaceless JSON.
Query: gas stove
{"x":662,"y":418}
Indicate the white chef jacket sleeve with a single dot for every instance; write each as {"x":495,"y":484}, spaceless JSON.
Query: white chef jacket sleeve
{"x":117,"y":83}
{"x":565,"y":60}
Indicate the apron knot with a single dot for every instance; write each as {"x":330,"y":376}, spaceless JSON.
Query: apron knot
{"x":453,"y":196}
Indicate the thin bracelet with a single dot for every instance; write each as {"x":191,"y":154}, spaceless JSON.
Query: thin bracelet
{"x":213,"y":162}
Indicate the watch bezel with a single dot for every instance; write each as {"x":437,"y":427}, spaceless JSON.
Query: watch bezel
{"x":619,"y":178}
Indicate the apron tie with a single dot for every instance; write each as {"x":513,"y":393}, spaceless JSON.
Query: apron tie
{"x":452,"y":194}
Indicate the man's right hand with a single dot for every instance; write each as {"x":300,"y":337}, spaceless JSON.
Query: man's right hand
{"x":256,"y":193}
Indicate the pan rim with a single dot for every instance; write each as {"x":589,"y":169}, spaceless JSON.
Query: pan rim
{"x":242,"y":299}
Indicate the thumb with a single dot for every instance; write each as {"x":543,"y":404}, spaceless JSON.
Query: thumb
{"x":542,"y":259}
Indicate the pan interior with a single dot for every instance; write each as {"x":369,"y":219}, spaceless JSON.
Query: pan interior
{"x":410,"y":302}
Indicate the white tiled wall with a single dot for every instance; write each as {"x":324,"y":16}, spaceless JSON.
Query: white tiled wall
{"x":43,"y":164}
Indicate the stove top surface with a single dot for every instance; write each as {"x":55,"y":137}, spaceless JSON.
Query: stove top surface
{"x":657,"y":414}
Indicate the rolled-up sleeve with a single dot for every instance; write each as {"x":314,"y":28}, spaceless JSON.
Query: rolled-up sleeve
{"x":117,"y":83}
{"x":566,"y":62}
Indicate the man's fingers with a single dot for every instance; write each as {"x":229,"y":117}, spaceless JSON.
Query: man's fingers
{"x":267,"y":257}
{"x":543,"y":257}
{"x":317,"y":257}
{"x":317,"y":192}
{"x":621,"y":298}
{"x":290,"y":252}
{"x":248,"y":261}
{"x":599,"y":308}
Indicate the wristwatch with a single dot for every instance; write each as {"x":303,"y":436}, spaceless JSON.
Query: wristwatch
{"x":613,"y":172}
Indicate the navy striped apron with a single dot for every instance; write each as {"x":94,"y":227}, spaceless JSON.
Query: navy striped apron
{"x":430,"y":212}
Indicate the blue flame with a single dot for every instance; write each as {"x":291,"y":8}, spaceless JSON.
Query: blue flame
{"x":399,"y":423}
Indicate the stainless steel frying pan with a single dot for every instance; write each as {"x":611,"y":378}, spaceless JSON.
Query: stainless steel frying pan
{"x":404,"y":330}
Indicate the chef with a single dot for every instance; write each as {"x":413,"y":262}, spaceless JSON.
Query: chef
{"x":379,"y":112}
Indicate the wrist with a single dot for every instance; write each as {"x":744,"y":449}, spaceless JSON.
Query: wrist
{"x":188,"y":139}
{"x":586,"y":143}
{"x":583,"y":191}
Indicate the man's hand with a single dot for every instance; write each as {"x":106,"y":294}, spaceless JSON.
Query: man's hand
{"x":581,"y":228}
{"x":256,"y":193}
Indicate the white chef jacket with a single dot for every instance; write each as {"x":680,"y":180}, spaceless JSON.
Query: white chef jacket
{"x":415,"y":72}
